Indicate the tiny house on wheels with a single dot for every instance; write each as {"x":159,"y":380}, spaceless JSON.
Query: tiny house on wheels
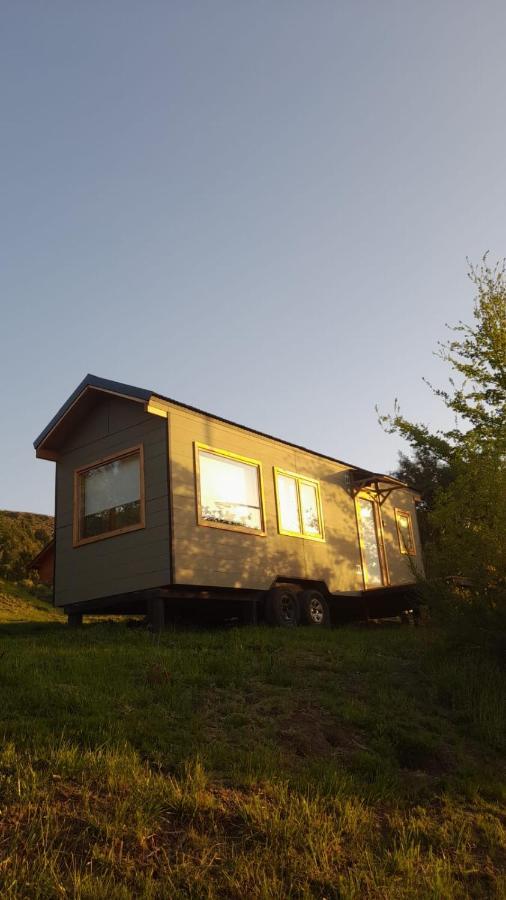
{"x":159,"y":503}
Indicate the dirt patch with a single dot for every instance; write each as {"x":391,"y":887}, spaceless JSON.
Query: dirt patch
{"x":310,"y":732}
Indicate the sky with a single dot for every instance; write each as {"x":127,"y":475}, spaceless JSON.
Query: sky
{"x":260,"y":209}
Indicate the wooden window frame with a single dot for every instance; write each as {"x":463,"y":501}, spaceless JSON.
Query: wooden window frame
{"x":78,"y":541}
{"x":304,"y":479}
{"x":402,"y":546}
{"x":380,"y":539}
{"x":227,"y":454}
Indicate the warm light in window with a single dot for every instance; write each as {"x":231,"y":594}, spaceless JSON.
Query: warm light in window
{"x":229,"y":491}
{"x":299,"y":508}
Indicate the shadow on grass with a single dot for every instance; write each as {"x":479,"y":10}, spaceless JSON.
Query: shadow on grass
{"x":177,"y":624}
{"x":30,"y":628}
{"x":142,"y":750}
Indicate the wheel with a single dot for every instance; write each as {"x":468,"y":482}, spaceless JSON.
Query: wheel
{"x":314,"y":609}
{"x":282,"y":606}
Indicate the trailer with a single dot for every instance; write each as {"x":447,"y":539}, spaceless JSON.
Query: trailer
{"x":158,"y":503}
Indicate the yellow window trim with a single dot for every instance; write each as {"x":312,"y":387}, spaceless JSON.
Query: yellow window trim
{"x":300,"y":479}
{"x":77,"y":540}
{"x":404,"y":550}
{"x":197,"y":446}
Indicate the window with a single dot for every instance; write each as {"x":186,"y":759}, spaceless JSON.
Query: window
{"x":299,"y":505}
{"x":405,"y":532}
{"x":109,"y":497}
{"x":229,"y":490}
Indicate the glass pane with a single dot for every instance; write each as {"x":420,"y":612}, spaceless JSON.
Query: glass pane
{"x":111,"y":496}
{"x":229,"y":491}
{"x":309,"y":508}
{"x":288,"y":504}
{"x":405,"y":532}
{"x":369,"y":537}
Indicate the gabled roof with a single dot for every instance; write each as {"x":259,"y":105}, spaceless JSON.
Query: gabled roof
{"x":100,"y":384}
{"x":42,"y":554}
{"x":85,"y":395}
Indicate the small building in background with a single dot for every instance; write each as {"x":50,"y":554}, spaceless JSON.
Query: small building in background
{"x":43,"y":563}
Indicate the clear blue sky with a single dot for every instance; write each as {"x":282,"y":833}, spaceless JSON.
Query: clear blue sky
{"x":262,"y":209}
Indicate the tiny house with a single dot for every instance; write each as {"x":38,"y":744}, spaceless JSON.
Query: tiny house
{"x":157,"y":502}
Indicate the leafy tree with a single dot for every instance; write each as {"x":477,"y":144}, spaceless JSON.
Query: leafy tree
{"x":22,"y":536}
{"x":478,"y":355}
{"x":467,"y":514}
{"x":426,"y":474}
{"x":468,"y":524}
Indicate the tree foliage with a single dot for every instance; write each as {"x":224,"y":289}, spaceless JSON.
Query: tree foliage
{"x":427,"y":475}
{"x":424,"y":473}
{"x":22,"y":536}
{"x":468,"y":525}
{"x":476,"y":354}
{"x":462,"y":471}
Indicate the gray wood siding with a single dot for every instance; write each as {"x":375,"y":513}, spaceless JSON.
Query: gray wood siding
{"x":220,"y":558}
{"x":402,"y":568}
{"x":127,"y":562}
{"x":205,"y":556}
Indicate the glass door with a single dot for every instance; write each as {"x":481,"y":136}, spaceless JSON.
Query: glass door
{"x":371,"y":545}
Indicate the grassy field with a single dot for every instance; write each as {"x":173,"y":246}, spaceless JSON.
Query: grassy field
{"x":251,"y":763}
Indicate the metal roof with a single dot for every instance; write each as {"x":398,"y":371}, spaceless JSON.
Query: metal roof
{"x":140,"y":394}
{"x":93,"y":381}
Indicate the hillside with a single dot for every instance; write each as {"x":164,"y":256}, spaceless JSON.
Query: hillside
{"x":248,"y":763}
{"x":22,"y":536}
{"x":17,"y":604}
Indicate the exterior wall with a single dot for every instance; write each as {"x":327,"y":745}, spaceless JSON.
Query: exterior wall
{"x":127,"y":562}
{"x":402,"y":568}
{"x":43,"y":564}
{"x":46,"y":568}
{"x":220,"y":558}
{"x":200,"y":555}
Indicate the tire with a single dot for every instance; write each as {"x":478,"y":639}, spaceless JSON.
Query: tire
{"x":282,"y":606}
{"x":314,"y":609}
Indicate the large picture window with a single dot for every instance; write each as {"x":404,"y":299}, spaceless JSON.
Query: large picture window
{"x":405,"y":532}
{"x":229,"y":490}
{"x":109,"y":497}
{"x":299,"y":505}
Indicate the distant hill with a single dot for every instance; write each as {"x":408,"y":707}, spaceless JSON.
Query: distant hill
{"x":22,"y":536}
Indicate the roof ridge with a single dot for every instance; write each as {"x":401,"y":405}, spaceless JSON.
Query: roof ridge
{"x":136,"y":393}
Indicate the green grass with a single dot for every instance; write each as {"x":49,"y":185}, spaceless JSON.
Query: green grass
{"x":252,"y":763}
{"x":19,"y":604}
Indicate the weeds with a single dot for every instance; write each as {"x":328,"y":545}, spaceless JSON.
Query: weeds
{"x":249,"y":763}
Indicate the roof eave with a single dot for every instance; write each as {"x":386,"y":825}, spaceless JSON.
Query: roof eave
{"x":90,"y":382}
{"x":129,"y":392}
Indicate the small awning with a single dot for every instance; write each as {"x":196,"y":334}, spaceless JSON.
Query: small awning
{"x":381,"y":484}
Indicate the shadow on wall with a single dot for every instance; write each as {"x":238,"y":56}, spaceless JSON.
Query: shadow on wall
{"x":208,"y":556}
{"x":403,"y":568}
